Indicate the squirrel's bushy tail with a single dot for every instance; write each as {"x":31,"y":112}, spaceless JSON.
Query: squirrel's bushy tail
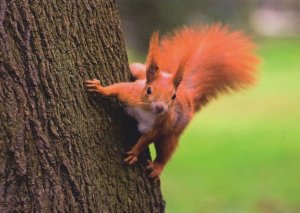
{"x":216,"y":60}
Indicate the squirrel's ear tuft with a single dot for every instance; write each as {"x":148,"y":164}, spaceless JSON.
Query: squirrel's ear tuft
{"x":152,"y":69}
{"x":179,"y":74}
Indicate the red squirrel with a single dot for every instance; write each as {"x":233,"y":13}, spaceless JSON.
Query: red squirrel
{"x":183,"y":72}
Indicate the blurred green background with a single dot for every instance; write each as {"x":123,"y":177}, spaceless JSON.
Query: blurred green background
{"x":241,"y":153}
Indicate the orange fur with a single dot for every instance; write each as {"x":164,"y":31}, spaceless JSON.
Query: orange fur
{"x":195,"y":65}
{"x":217,"y":60}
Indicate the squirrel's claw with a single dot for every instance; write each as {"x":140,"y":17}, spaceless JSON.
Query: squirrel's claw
{"x":131,"y":159}
{"x":150,"y":165}
{"x":154,"y":174}
{"x":93,"y":85}
{"x":156,"y":169}
{"x":94,"y":81}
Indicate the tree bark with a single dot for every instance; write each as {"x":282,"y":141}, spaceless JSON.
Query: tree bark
{"x":61,"y":149}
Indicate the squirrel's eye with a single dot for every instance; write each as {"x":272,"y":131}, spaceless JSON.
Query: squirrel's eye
{"x":173,"y":97}
{"x":149,"y":91}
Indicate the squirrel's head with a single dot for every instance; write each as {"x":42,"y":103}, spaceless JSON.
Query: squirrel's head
{"x":161,"y":87}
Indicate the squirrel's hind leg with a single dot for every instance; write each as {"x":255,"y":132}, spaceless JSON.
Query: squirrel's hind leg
{"x":165,"y":147}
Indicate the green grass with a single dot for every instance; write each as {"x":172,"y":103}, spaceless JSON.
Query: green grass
{"x":242,"y":152}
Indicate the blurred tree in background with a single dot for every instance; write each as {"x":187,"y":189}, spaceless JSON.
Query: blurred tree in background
{"x":141,"y":17}
{"x":264,"y":17}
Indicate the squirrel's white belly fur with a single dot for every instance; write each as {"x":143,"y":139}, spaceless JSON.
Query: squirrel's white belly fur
{"x":144,"y":118}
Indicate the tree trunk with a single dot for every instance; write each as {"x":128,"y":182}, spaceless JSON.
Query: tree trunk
{"x":61,"y":149}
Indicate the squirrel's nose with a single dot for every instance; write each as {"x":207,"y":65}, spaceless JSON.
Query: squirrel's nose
{"x":159,"y":108}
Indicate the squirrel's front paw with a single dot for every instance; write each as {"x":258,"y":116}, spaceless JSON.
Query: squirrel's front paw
{"x":132,"y":157}
{"x":155,"y":167}
{"x":93,"y":85}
